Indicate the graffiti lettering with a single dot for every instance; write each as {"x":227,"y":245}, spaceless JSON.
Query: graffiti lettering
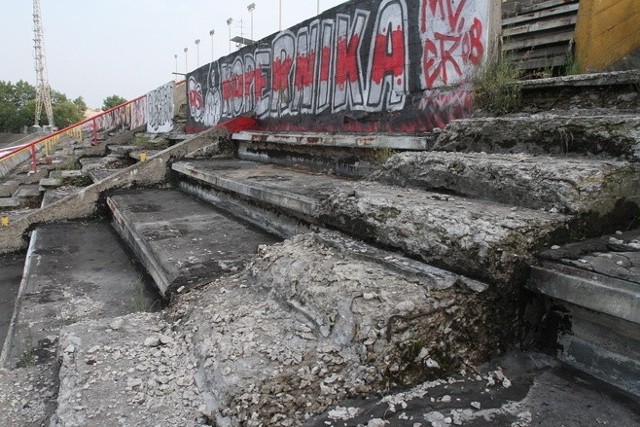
{"x":348,"y":65}
{"x":452,"y":41}
{"x":160,"y":109}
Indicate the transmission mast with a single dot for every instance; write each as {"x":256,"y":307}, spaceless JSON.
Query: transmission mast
{"x":43,"y":91}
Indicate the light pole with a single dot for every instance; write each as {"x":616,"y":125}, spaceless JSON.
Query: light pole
{"x":229,"y":22}
{"x":280,"y":14}
{"x":211,"y":33}
{"x":186,"y":60}
{"x":318,"y":7}
{"x":175,"y":56}
{"x":251,"y":8}
{"x":197,"y":42}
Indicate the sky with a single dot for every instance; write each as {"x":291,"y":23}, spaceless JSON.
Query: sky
{"x":99,"y":48}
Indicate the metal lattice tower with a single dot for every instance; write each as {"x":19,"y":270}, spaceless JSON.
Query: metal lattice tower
{"x":43,"y":91}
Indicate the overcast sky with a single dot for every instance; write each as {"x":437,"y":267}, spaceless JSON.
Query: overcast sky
{"x":98,"y":48}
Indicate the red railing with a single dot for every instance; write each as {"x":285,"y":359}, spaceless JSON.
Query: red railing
{"x":131,"y":114}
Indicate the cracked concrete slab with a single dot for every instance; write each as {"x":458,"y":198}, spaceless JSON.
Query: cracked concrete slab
{"x":478,"y":237}
{"x":570,"y":185}
{"x":74,"y":271}
{"x":181,"y":240}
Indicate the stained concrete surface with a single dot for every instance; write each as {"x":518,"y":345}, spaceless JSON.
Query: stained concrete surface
{"x":75,"y":271}
{"x":520,"y":389}
{"x":181,"y":240}
{"x":11,"y":266}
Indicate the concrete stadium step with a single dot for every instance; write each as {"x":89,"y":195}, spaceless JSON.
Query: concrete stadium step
{"x":271,"y":347}
{"x":346,"y":154}
{"x":484,"y":239}
{"x":594,"y":189}
{"x":314,"y":139}
{"x":182,"y":241}
{"x":598,"y":282}
{"x":613,"y":134}
{"x":73,"y":271}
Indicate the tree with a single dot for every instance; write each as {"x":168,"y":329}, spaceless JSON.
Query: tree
{"x":112,"y":101}
{"x":17,"y":107}
{"x":82,"y":106}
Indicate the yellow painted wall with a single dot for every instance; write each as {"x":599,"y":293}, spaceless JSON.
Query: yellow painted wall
{"x":606,"y":31}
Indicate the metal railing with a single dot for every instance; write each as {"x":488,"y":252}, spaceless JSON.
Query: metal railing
{"x":130,"y":114}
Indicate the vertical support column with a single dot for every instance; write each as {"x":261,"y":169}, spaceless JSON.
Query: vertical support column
{"x":95,"y":131}
{"x":495,"y":30}
{"x":34,"y":159}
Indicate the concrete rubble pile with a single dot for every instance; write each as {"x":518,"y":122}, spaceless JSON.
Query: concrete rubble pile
{"x":301,"y":329}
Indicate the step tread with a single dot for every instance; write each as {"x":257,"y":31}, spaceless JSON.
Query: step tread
{"x":432,"y":226}
{"x":74,"y":271}
{"x":182,"y":241}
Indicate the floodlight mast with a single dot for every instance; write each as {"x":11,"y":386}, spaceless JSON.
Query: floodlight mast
{"x":43,"y":90}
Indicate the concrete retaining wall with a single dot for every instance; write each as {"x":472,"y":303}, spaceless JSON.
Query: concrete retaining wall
{"x":606,"y":32}
{"x":394,"y":65}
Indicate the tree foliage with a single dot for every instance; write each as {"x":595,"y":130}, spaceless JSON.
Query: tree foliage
{"x":18,"y":106}
{"x":112,"y":101}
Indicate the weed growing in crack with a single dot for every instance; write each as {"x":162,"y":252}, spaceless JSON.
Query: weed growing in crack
{"x":496,"y":89}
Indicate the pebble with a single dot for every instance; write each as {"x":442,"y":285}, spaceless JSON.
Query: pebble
{"x":476,"y":405}
{"x":152,"y":341}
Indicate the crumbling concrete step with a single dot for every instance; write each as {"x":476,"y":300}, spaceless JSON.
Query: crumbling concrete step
{"x":480,"y":238}
{"x":122,"y":150}
{"x":613,"y":135}
{"x":73,"y":272}
{"x":8,"y":187}
{"x":599,"y":292}
{"x":10,"y":202}
{"x":27,"y":191}
{"x":376,"y":141}
{"x":304,"y":327}
{"x":601,"y":274}
{"x":100,"y":174}
{"x":55,"y":194}
{"x":50,"y":182}
{"x":180,"y":240}
{"x":105,"y":162}
{"x":576,"y":186}
{"x":598,"y":282}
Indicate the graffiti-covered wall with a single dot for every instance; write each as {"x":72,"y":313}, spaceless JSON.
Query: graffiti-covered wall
{"x":390,"y":65}
{"x":160,"y":109}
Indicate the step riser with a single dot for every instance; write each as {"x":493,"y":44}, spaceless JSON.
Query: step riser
{"x":614,"y":136}
{"x":347,"y":162}
{"x":150,"y":263}
{"x":268,"y":220}
{"x":609,"y":367}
